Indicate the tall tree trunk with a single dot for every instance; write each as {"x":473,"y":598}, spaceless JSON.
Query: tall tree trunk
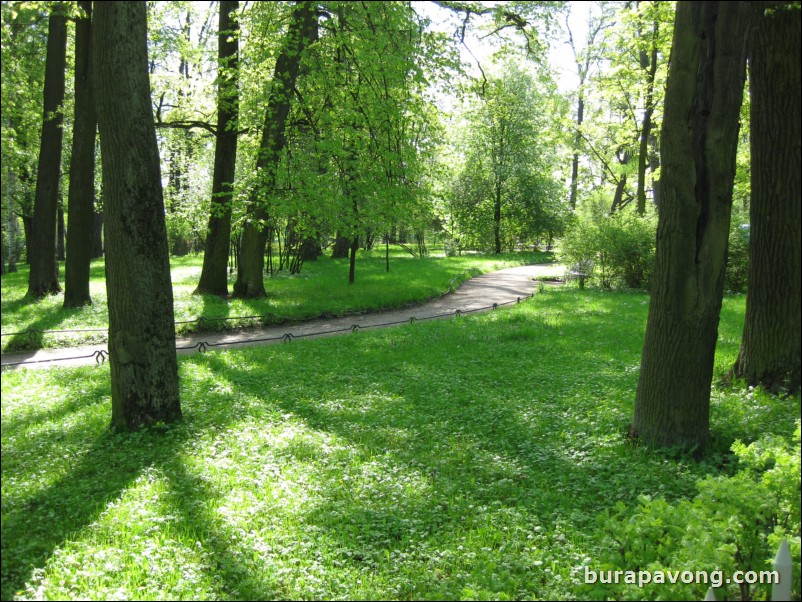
{"x":648,"y":64}
{"x":214,"y":279}
{"x":302,"y":32}
{"x":27,"y":227}
{"x":699,"y":142}
{"x":144,"y":371}
{"x":43,"y":277}
{"x":497,"y":219}
{"x":654,"y":165}
{"x":770,"y":348}
{"x":352,"y":259}
{"x":11,"y":222}
{"x":61,"y":232}
{"x":97,"y":235}
{"x":81,"y":198}
{"x":580,"y":118}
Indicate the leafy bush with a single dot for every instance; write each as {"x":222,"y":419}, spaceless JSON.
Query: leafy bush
{"x":622,"y":246}
{"x":735,"y":523}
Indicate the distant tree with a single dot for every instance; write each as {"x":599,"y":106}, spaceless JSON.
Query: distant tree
{"x":770,"y":348}
{"x":699,"y":143}
{"x":214,"y":279}
{"x":144,"y":371}
{"x":24,"y":42}
{"x":505,"y":185}
{"x":81,"y":196}
{"x":586,"y":58}
{"x":43,"y":277}
{"x":301,"y":33}
{"x":364,"y":96}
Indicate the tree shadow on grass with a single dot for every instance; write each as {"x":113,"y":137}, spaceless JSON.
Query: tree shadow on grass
{"x":32,"y":416}
{"x":30,"y":335}
{"x":98,"y":467}
{"x":238,"y":579}
{"x":416,"y":419}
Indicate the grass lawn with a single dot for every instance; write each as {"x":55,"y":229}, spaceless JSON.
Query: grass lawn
{"x":320,"y":289}
{"x":475,"y":458}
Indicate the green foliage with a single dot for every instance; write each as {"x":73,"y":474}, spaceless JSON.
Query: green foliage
{"x":506,"y":178}
{"x":24,"y":39}
{"x":737,"y":274}
{"x":734,"y":523}
{"x":464,"y":458}
{"x":615,"y":69}
{"x":360,"y":132}
{"x":622,"y":246}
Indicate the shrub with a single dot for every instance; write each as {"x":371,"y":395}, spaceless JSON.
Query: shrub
{"x":622,"y":246}
{"x":735,"y":523}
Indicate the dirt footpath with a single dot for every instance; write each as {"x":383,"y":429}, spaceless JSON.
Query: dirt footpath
{"x":482,"y":292}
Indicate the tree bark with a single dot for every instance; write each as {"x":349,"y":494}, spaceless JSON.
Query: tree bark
{"x":214,"y":279}
{"x":43,"y":277}
{"x":699,"y":142}
{"x":81,"y":197}
{"x":144,"y":372}
{"x":770,"y":348}
{"x":302,"y":32}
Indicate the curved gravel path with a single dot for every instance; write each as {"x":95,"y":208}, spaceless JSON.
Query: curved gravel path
{"x":482,"y":292}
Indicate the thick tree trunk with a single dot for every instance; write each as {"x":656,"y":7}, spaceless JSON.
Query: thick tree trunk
{"x":770,"y":349}
{"x":43,"y":277}
{"x":81,"y":198}
{"x":214,"y":279}
{"x":302,"y":32}
{"x":699,"y":141}
{"x":144,"y":371}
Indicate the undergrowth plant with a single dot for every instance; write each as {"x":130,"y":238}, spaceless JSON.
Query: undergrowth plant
{"x":735,"y":522}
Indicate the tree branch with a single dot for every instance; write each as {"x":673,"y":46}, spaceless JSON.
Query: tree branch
{"x":187,"y":125}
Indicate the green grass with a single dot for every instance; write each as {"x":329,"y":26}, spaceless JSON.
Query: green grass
{"x":460,"y":459}
{"x":321,"y":289}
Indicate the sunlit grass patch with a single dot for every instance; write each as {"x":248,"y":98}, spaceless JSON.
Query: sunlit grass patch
{"x":460,"y":459}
